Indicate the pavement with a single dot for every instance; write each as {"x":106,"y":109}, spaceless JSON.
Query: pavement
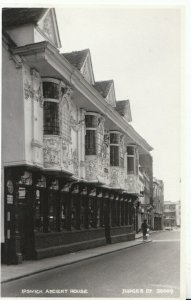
{"x":27,"y":268}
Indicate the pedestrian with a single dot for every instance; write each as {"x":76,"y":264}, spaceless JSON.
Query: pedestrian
{"x":144,"y":229}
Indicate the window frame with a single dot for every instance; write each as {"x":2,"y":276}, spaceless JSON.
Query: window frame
{"x":93,"y":130}
{"x":51,"y":100}
{"x":117,"y":145}
{"x":134,"y":156}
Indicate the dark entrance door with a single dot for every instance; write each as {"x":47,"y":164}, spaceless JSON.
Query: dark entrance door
{"x":25,"y":221}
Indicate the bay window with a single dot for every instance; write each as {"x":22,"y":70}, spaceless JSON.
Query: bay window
{"x":132,"y":160}
{"x":51,"y":118}
{"x":91,"y":122}
{"x":51,"y":106}
{"x":115,"y":149}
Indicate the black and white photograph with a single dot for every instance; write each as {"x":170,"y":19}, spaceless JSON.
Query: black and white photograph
{"x":93,"y":203}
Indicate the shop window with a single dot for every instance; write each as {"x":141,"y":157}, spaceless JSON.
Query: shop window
{"x":63,"y":215}
{"x":90,"y":138}
{"x":52,"y":213}
{"x":82,"y":213}
{"x":91,"y":212}
{"x":73,"y":212}
{"x":38,"y":216}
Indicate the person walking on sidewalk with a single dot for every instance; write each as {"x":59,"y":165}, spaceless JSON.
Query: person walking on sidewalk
{"x":144,"y":229}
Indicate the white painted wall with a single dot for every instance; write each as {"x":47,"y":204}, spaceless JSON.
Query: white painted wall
{"x":22,"y":35}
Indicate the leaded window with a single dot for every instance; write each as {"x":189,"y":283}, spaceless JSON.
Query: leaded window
{"x":132,"y":160}
{"x":91,"y":122}
{"x":50,"y":90}
{"x":51,"y":118}
{"x":90,"y":142}
{"x":51,"y":107}
{"x":114,"y":149}
{"x":114,"y":156}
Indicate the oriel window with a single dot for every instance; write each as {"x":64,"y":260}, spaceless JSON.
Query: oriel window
{"x":91,"y":122}
{"x":51,"y":118}
{"x":132,"y":160}
{"x":114,"y":149}
{"x":51,"y":106}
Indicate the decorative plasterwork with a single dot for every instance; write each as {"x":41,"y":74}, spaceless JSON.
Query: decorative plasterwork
{"x":47,"y":26}
{"x":17,"y":60}
{"x":41,"y":182}
{"x":70,"y":158}
{"x":133,"y":184}
{"x":33,"y":87}
{"x":65,"y":93}
{"x":87,"y":70}
{"x":117,"y":177}
{"x":51,"y":56}
{"x":76,"y":125}
{"x":51,"y":151}
{"x":97,"y":169}
{"x":26,"y":178}
{"x":54,"y":185}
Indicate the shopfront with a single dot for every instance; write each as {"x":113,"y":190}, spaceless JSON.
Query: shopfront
{"x":48,"y":214}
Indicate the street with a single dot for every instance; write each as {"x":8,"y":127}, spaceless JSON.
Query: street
{"x":148,"y":270}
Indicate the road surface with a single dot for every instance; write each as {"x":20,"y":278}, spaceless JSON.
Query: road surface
{"x":147,"y":270}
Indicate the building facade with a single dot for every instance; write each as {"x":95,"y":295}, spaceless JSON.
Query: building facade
{"x":158,"y":203}
{"x":70,"y":159}
{"x":169,"y":214}
{"x":178,"y":213}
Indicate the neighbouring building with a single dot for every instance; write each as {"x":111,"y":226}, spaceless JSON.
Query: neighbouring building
{"x":158,"y":203}
{"x":178,"y":213}
{"x":169,"y":214}
{"x":145,"y":204}
{"x":71,"y":161}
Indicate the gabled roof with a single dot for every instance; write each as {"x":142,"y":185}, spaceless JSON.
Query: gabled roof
{"x":123,"y":108}
{"x":19,"y":16}
{"x":77,"y":58}
{"x":49,"y":27}
{"x":103,"y":87}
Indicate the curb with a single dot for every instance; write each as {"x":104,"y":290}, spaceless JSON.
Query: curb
{"x":70,"y":263}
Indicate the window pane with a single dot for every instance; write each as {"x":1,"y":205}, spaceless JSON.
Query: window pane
{"x":114,"y":138}
{"x":130,"y":165}
{"x":90,"y":142}
{"x":130,"y":150}
{"x":50,"y":90}
{"x":91,"y":121}
{"x":114,"y":156}
{"x":51,"y":119}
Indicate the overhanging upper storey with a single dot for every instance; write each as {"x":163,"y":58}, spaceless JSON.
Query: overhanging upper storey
{"x":49,"y":62}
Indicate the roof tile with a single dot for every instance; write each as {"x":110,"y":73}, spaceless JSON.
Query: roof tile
{"x":20,"y":16}
{"x":76,"y":58}
{"x":103,"y":87}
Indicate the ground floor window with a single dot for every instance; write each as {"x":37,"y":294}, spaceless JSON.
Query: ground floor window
{"x":38,"y":215}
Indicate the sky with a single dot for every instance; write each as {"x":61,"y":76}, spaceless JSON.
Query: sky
{"x":140,"y":49}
